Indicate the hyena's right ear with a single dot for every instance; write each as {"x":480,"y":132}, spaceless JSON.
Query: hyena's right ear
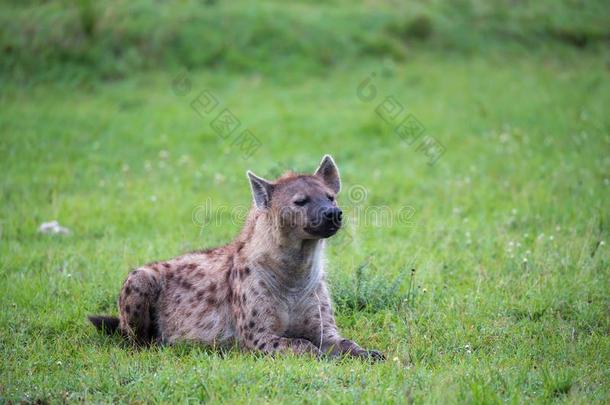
{"x":261,"y":190}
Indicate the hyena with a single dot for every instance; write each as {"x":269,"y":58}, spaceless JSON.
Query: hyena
{"x":265,"y":290}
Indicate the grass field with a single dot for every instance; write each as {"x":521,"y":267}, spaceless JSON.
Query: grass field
{"x":507,"y":230}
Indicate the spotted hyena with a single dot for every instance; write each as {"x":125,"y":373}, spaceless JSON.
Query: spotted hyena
{"x":266,"y":290}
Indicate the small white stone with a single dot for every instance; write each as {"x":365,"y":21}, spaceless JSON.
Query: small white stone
{"x":53,"y":228}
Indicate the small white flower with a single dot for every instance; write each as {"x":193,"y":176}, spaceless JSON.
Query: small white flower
{"x":153,"y":198}
{"x":125,"y":168}
{"x":184,"y":159}
{"x":551,"y":237}
{"x":163,"y":154}
{"x":525,"y":260}
{"x":602,"y":243}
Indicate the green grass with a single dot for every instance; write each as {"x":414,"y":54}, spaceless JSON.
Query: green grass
{"x":524,"y":175}
{"x":509,"y":234}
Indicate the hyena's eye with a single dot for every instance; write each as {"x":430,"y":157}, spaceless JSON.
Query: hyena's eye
{"x":331,"y":198}
{"x":301,"y":201}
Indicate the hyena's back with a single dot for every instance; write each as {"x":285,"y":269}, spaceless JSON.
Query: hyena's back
{"x":185,"y":298}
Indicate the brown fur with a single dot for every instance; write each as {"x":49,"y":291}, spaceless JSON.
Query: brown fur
{"x":265,"y":290}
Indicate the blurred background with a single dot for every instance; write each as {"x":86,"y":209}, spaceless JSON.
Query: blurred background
{"x":472,"y":138}
{"x":114,"y":39}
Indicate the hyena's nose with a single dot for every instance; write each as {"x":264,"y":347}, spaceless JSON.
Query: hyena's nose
{"x":333,"y":215}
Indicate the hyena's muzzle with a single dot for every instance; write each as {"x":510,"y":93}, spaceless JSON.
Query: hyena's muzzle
{"x":324,"y":220}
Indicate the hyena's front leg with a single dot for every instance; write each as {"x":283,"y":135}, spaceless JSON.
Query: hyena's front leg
{"x":324,"y":327}
{"x":259,"y":333}
{"x":269,"y":344}
{"x":259,"y":327}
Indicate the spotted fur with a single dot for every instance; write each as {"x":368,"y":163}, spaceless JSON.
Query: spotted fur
{"x":265,"y":290}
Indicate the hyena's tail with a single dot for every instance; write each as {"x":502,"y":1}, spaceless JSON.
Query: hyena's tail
{"x":106,"y":324}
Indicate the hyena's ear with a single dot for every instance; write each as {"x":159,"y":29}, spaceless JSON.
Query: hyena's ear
{"x":261,"y":190}
{"x":329,"y":172}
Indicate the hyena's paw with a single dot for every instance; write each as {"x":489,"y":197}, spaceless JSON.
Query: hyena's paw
{"x":278,"y":344}
{"x":372,"y":355}
{"x":350,"y":348}
{"x":304,"y":346}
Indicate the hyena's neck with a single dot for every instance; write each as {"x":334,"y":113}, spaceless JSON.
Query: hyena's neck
{"x":284,"y":262}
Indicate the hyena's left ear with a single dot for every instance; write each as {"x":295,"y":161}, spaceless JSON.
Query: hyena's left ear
{"x":329,"y":172}
{"x":261,"y":190}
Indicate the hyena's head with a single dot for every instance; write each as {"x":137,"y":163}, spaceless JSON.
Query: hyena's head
{"x":304,"y":206}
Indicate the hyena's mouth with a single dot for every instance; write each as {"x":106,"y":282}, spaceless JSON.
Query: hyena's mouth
{"x":323,"y":231}
{"x":327,"y":223}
